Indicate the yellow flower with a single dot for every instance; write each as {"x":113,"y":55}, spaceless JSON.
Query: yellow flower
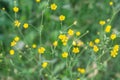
{"x":74,"y":43}
{"x":75,"y":22}
{"x":55,"y":43}
{"x":95,"y":48}
{"x":102,"y":22}
{"x":64,"y":43}
{"x":17,"y":23}
{"x":34,"y":46}
{"x":53,"y":6}
{"x":61,"y":17}
{"x":81,"y":70}
{"x":13,"y":43}
{"x":16,"y":38}
{"x":44,"y":64}
{"x":113,"y":36}
{"x":11,"y":52}
{"x":25,"y":25}
{"x":113,"y":53}
{"x":78,"y":79}
{"x":64,"y":54}
{"x":15,"y":9}
{"x":108,"y":28}
{"x":38,"y":1}
{"x":78,"y":33}
{"x":97,"y":41}
{"x":41,"y":50}
{"x":110,"y":3}
{"x":91,"y":44}
{"x":75,"y":50}
{"x":3,"y":9}
{"x":80,"y":43}
{"x":116,"y":47}
{"x":63,"y":38}
{"x":70,"y":32}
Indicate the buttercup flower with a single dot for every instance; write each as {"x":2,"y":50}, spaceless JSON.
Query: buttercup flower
{"x":44,"y":64}
{"x":75,"y":50}
{"x":15,"y":9}
{"x":34,"y":46}
{"x":16,"y":38}
{"x":70,"y":32}
{"x":78,"y":33}
{"x":64,"y":54}
{"x":55,"y":43}
{"x":97,"y":41}
{"x":113,"y":36}
{"x":102,"y":22}
{"x":81,"y":70}
{"x":110,"y":3}
{"x":62,"y":18}
{"x":108,"y":28}
{"x":41,"y":50}
{"x":95,"y":48}
{"x":53,"y":6}
{"x":17,"y":23}
{"x":11,"y":52}
{"x":37,"y":1}
{"x":25,"y":25}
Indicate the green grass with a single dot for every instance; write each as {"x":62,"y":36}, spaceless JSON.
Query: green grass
{"x":45,"y":27}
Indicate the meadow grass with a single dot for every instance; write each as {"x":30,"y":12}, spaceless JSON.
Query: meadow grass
{"x":59,"y":40}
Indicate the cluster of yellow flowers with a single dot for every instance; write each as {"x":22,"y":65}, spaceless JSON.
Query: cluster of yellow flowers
{"x":13,"y":43}
{"x":114,"y":51}
{"x":94,"y":44}
{"x":63,"y":39}
{"x":16,"y":39}
{"x":17,"y":24}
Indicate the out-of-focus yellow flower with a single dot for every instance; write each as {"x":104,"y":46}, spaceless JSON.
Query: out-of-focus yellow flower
{"x":113,"y":36}
{"x":25,"y":25}
{"x":41,"y":50}
{"x":70,"y":32}
{"x":102,"y":22}
{"x":53,"y":6}
{"x":91,"y":44}
{"x":95,"y":48}
{"x":13,"y":43}
{"x":80,"y":43}
{"x":37,"y":1}
{"x":75,"y":50}
{"x":17,"y":23}
{"x":75,"y":22}
{"x":64,"y":54}
{"x":110,"y":3}
{"x":61,"y":17}
{"x":3,"y":9}
{"x":55,"y":43}
{"x":97,"y":41}
{"x":78,"y":33}
{"x":15,"y":9}
{"x":11,"y":52}
{"x":108,"y":28}
{"x":34,"y":46}
{"x":16,"y":38}
{"x":81,"y":70}
{"x":44,"y":64}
